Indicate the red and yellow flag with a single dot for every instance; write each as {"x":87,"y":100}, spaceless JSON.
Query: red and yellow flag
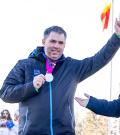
{"x":105,"y":15}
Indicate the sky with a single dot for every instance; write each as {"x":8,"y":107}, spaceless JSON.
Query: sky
{"x":21,"y":30}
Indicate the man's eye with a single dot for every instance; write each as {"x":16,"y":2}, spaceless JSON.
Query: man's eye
{"x":60,"y":42}
{"x":53,"y":41}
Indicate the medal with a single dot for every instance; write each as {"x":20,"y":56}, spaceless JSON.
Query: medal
{"x":49,"y":68}
{"x":49,"y":77}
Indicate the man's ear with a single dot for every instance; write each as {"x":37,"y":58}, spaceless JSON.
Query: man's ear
{"x":43,"y":41}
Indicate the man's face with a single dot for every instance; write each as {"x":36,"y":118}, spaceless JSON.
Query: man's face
{"x":54,"y":45}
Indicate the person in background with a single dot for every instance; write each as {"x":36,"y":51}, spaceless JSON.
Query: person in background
{"x":44,"y":84}
{"x":6,"y":119}
{"x":101,"y":106}
{"x":6,"y":123}
{"x":16,"y":122}
{"x":16,"y":116}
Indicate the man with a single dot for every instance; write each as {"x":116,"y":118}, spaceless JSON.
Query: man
{"x":44,"y":84}
{"x":101,"y":106}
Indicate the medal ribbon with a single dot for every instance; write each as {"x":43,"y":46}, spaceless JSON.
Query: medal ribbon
{"x":50,"y":66}
{"x":49,"y":69}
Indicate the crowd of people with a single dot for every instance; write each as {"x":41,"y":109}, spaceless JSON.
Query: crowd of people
{"x":9,"y":125}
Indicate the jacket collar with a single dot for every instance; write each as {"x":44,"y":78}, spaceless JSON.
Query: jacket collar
{"x":39,"y":54}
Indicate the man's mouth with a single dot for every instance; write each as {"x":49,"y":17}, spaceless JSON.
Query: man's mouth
{"x":55,"y":51}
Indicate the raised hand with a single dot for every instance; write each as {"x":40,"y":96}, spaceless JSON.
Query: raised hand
{"x":83,"y":101}
{"x":117,"y":26}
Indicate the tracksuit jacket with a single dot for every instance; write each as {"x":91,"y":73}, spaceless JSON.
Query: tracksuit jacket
{"x":35,"y":106}
{"x":104,"y":107}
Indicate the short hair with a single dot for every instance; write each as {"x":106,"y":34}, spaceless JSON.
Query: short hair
{"x":56,"y":29}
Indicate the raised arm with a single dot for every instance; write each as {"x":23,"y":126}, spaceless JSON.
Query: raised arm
{"x":90,"y":65}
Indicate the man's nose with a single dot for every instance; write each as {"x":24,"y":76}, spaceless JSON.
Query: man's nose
{"x":57,"y":45}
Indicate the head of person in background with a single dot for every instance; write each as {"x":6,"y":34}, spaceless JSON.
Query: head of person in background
{"x":16,"y":116}
{"x":5,"y":114}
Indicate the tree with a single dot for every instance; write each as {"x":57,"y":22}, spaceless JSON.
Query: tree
{"x":92,"y":124}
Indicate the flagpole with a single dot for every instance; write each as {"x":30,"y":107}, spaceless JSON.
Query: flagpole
{"x":112,"y":18}
{"x":111,"y":68}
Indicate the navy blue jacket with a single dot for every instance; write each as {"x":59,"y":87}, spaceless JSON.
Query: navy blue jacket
{"x":34,"y":107}
{"x":104,"y":107}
